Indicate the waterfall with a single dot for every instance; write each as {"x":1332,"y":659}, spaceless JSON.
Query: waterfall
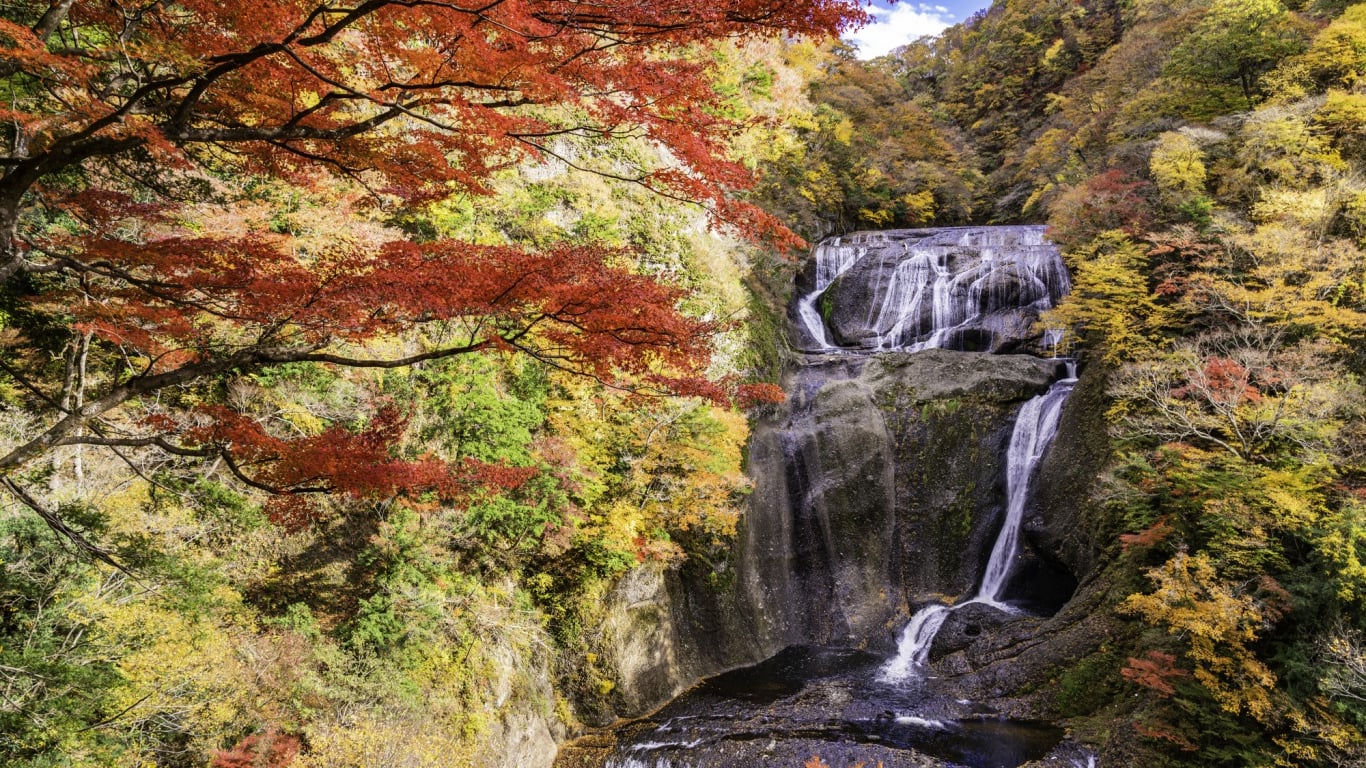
{"x":926,"y":289}
{"x":833,"y":523}
{"x":914,"y":649}
{"x":833,"y":258}
{"x":1034,"y":430}
{"x":933,"y":288}
{"x":1052,"y":337}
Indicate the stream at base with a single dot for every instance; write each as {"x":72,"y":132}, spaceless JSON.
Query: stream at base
{"x":829,"y":703}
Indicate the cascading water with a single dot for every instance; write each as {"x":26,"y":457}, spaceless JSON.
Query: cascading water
{"x":832,"y":258}
{"x":955,"y":288}
{"x":830,"y":470}
{"x":1034,"y":430}
{"x":914,"y":649}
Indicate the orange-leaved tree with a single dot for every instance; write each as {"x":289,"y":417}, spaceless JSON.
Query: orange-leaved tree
{"x":133,"y":135}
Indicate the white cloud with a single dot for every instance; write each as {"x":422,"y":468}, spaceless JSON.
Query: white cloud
{"x":896,"y":26}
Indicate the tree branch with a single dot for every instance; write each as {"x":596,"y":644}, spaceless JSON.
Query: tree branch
{"x":60,"y":527}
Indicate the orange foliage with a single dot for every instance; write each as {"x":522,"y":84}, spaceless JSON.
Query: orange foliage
{"x":1155,"y":671}
{"x":382,"y":105}
{"x":1148,"y":537}
{"x":1110,"y":201}
{"x":753,"y":395}
{"x":1165,"y":732}
{"x":266,"y":750}
{"x":442,"y":99}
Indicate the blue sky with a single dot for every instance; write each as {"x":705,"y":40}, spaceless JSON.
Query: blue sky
{"x":898,"y":24}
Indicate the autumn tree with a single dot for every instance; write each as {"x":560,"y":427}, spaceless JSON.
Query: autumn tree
{"x":1235,"y":43}
{"x":1177,"y":166}
{"x":1111,"y":306}
{"x":1336,"y":59}
{"x":1244,"y":394}
{"x":139,"y":256}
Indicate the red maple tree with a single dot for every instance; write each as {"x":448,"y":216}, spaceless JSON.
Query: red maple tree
{"x":121,"y":114}
{"x":264,"y":750}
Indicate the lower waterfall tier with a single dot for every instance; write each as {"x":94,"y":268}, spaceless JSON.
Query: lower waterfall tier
{"x":881,"y":486}
{"x":883,"y":482}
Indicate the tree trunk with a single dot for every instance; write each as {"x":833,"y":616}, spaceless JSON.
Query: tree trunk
{"x":10,"y":257}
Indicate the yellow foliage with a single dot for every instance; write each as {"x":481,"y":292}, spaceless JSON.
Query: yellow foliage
{"x":1308,"y":208}
{"x":1280,"y":144}
{"x":1336,"y":59}
{"x":1340,"y":539}
{"x":1297,"y":278}
{"x":1110,"y":303}
{"x":374,"y":739}
{"x":1297,"y":504}
{"x":1317,"y":734}
{"x":1218,"y":624}
{"x":1178,"y":166}
{"x":821,"y":186}
{"x":920,"y":208}
{"x":1343,"y":114}
{"x":693,"y":479}
{"x":1053,"y":51}
{"x":662,"y":467}
{"x":175,"y":667}
{"x":844,"y":131}
{"x":876,"y":217}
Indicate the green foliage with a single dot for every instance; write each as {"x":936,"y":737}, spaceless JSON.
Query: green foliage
{"x":1235,"y":43}
{"x":482,"y":407}
{"x":56,"y":680}
{"x":1335,"y":60}
{"x":1089,"y":685}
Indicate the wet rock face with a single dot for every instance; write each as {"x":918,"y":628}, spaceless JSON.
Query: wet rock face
{"x":817,"y":556}
{"x":972,"y":624}
{"x":879,"y":485}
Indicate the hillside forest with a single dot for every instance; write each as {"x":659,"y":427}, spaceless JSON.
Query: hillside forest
{"x":350,"y":354}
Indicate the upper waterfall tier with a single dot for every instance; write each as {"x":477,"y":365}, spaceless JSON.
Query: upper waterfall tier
{"x":964,"y":288}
